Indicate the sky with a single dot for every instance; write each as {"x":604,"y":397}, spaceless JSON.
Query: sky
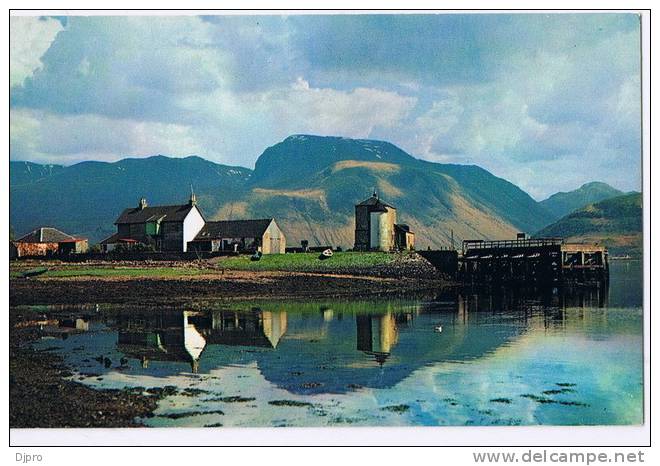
{"x":547,"y":101}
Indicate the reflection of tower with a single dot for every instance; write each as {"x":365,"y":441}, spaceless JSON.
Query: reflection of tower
{"x":377,"y":335}
{"x":274,"y":326}
{"x":328,"y":314}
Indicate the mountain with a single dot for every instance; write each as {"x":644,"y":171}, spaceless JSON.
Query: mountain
{"x":616,"y":222}
{"x":564,"y":203}
{"x":23,"y":173}
{"x":310,"y":184}
{"x":86,"y":198}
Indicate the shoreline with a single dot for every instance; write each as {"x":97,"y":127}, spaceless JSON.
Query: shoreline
{"x":228,"y":286}
{"x":42,"y":395}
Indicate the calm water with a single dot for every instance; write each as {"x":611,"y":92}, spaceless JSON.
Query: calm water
{"x":571,"y":356}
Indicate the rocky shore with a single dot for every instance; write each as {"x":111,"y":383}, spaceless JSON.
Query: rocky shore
{"x":212,"y":286}
{"x":42,"y":395}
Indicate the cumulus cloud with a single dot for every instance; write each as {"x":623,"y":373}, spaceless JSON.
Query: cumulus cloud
{"x":516,"y":94}
{"x":29,"y":38}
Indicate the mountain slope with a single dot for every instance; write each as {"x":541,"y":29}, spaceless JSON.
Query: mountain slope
{"x":616,"y":222}
{"x":86,"y":198}
{"x":564,"y":203}
{"x":310,"y":184}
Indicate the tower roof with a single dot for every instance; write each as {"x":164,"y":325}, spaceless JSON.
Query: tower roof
{"x":374,"y":200}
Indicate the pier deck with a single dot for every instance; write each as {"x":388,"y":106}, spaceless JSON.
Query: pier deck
{"x":535,"y":260}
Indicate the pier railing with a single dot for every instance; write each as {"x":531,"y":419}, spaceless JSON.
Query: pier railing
{"x":511,"y":243}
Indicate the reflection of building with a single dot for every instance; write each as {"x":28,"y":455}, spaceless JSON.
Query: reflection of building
{"x":376,"y":227}
{"x":377,"y":335}
{"x":62,"y":327}
{"x":255,"y":328}
{"x":162,"y":337}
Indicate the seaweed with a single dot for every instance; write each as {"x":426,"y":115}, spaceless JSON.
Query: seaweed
{"x":538,"y":399}
{"x":558,"y":391}
{"x":396,"y":408}
{"x":234,"y":399}
{"x":190,"y":414}
{"x":501,"y":400}
{"x":294,"y":403}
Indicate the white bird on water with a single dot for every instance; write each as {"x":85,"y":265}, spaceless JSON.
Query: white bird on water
{"x":438,"y":328}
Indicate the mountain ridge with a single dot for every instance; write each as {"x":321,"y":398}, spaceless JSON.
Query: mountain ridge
{"x":309,"y":183}
{"x":616,"y":222}
{"x":564,"y":202}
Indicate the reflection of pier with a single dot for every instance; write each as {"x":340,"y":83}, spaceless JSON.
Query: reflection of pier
{"x":532,"y":260}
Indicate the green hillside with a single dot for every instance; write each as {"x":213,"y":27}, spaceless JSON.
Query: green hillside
{"x":87,"y":197}
{"x":310,"y":184}
{"x":564,"y":203}
{"x":616,"y":222}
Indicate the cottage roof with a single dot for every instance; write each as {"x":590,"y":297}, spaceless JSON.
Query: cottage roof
{"x":47,"y":235}
{"x":115,"y":238}
{"x":377,"y":202}
{"x":234,"y":229}
{"x":162,"y":213}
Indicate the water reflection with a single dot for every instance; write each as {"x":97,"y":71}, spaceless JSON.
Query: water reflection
{"x":329,"y":349}
{"x":495,"y":344}
{"x":160,"y":336}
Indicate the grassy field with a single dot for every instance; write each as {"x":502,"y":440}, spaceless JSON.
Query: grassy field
{"x":345,"y":262}
{"x":300,"y":262}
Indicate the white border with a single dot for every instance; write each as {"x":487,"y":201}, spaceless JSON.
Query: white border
{"x":455,"y":436}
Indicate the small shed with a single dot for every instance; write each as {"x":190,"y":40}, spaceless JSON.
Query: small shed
{"x":48,"y":241}
{"x":262,"y":235}
{"x":403,"y":237}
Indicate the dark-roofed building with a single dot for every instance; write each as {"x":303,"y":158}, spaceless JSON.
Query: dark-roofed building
{"x":165,"y":227}
{"x":262,"y":235}
{"x":47,"y":241}
{"x":376,"y":228}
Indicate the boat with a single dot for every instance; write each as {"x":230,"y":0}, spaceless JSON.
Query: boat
{"x":34,"y":272}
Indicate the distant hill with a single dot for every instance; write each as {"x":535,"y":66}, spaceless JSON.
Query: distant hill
{"x":23,"y":173}
{"x":564,"y":203}
{"x":616,"y":223}
{"x":310,"y":184}
{"x":86,"y":198}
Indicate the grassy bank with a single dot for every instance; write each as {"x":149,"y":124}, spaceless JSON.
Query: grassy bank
{"x":308,"y":262}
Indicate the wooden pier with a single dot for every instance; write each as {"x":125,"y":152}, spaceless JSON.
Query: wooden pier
{"x":532,"y":260}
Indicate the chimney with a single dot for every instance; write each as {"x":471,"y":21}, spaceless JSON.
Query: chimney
{"x":143,"y":203}
{"x":193,"y":198}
